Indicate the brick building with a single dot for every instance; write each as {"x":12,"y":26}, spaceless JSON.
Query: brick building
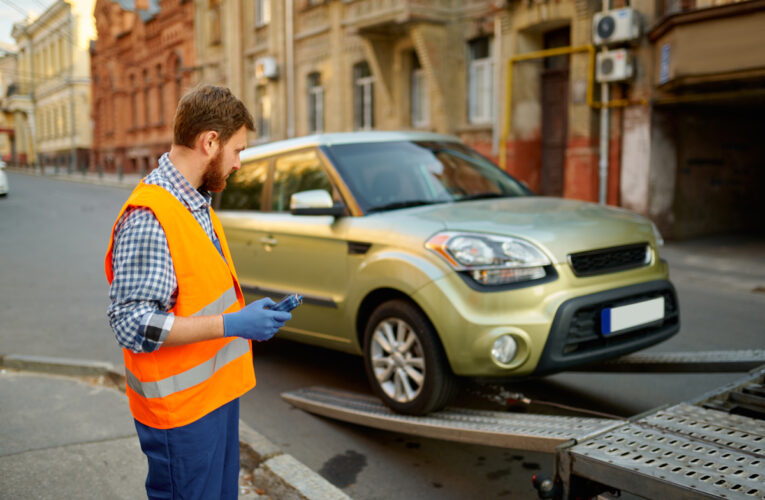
{"x":142,"y":62}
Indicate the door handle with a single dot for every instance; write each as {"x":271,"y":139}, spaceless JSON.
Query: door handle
{"x":268,"y":241}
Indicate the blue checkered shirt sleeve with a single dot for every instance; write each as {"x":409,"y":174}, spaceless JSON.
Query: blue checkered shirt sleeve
{"x":144,"y":284}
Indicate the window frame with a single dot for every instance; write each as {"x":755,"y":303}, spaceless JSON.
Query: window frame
{"x":418,"y":81}
{"x":262,"y":13}
{"x":336,"y":193}
{"x":480,"y":93}
{"x":364,"y":96}
{"x":315,"y":91}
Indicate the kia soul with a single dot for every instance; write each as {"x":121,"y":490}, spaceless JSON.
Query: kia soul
{"x":421,"y":255}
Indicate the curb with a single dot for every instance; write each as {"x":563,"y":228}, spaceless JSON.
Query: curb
{"x":279,"y":474}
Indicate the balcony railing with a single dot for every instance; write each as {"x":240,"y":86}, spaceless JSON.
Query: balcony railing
{"x":365,"y":14}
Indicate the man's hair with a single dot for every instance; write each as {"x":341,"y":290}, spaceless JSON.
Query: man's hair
{"x":208,"y":107}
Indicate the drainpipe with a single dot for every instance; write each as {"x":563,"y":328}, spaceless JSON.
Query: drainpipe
{"x":290,"y":70}
{"x":604,"y":134}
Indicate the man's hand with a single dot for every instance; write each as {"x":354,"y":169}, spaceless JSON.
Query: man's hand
{"x":254,"y":321}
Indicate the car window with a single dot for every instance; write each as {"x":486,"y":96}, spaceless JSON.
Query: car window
{"x":297,"y":172}
{"x":244,"y":188}
{"x":389,"y":175}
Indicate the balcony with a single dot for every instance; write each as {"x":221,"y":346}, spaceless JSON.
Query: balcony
{"x":382,"y":15}
{"x":698,"y":44}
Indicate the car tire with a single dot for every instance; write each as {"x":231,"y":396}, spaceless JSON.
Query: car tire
{"x":404,"y":360}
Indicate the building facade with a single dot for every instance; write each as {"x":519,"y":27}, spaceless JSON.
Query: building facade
{"x":8,"y":69}
{"x":51,"y":100}
{"x":142,"y":62}
{"x":519,"y":80}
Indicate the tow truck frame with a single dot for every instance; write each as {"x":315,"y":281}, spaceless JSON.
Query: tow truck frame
{"x":711,"y":446}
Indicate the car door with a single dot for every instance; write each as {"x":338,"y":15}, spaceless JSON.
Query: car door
{"x":306,"y":254}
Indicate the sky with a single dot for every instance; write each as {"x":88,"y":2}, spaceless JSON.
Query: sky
{"x":10,"y":13}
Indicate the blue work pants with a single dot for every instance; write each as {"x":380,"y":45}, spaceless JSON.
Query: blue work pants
{"x":196,"y":461}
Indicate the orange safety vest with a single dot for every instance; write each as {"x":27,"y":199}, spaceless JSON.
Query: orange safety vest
{"x":174,"y":386}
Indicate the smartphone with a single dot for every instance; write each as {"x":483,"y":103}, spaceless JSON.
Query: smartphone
{"x":288,"y":303}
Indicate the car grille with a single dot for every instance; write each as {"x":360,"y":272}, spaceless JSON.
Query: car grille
{"x":584,"y":329}
{"x":608,"y":260}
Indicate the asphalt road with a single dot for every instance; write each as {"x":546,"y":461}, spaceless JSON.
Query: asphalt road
{"x":53,"y":297}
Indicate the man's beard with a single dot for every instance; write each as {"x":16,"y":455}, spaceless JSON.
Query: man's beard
{"x":214,"y":179}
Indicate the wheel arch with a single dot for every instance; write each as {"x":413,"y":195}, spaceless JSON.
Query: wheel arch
{"x":378,"y":296}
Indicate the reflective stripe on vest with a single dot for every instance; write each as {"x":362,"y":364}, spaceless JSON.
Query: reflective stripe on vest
{"x":219,"y":305}
{"x":189,"y":378}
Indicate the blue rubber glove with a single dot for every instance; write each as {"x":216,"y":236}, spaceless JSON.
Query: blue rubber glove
{"x":254,"y":321}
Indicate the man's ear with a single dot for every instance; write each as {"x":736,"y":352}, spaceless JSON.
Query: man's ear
{"x":209,"y":142}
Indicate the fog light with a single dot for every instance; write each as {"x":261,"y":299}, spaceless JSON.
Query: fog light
{"x":504,"y":349}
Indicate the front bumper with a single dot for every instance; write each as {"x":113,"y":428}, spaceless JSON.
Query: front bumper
{"x":556,"y":324}
{"x":574,"y":337}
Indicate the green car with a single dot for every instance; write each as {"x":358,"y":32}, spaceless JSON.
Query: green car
{"x":418,"y":253}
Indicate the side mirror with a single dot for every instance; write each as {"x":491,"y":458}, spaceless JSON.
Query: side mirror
{"x":315,"y":202}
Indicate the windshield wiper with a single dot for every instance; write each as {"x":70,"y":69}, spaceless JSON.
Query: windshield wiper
{"x":403,"y":204}
{"x":481,"y":196}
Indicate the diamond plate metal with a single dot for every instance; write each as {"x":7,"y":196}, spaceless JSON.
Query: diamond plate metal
{"x":511,"y":430}
{"x":676,"y":451}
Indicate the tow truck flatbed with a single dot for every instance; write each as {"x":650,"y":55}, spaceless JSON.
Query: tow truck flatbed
{"x":712,"y":446}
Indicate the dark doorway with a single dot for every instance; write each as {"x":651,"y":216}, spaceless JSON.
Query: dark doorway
{"x":555,"y":75}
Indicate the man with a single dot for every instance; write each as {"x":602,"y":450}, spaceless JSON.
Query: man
{"x":177,"y":308}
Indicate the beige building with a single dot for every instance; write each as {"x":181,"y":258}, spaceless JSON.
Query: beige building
{"x":518,"y":80}
{"x":7,"y":79}
{"x":52,"y":106}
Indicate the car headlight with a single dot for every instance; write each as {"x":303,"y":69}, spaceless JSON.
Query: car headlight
{"x":489,"y":259}
{"x":657,"y":235}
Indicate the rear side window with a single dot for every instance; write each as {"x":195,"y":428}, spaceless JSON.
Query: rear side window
{"x":245,"y":188}
{"x":294,"y":173}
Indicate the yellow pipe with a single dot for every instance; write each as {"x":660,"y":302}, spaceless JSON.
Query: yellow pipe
{"x":542,"y":54}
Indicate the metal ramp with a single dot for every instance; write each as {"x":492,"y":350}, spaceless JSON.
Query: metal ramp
{"x":734,"y":361}
{"x":508,"y":430}
{"x":713,"y":447}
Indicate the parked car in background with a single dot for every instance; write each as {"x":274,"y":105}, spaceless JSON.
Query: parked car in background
{"x":418,"y":253}
{"x":3,"y":180}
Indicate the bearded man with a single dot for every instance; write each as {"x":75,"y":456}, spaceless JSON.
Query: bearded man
{"x":177,"y":309}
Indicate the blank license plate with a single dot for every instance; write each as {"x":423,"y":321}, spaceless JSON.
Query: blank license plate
{"x":616,"y":319}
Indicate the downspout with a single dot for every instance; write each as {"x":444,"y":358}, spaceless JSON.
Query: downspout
{"x":604,"y":134}
{"x":290,"y":69}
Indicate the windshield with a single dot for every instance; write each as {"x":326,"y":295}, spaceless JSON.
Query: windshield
{"x":390,"y":175}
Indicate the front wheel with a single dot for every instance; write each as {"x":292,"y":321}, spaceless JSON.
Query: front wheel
{"x":404,"y":360}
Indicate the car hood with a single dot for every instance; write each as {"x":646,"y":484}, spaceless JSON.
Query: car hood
{"x":557,"y":225}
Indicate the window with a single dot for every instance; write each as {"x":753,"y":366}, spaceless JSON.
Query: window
{"x":420,"y":102}
{"x":134,"y":102}
{"x":295,"y":173}
{"x":262,"y":113}
{"x":213,"y":18}
{"x":315,"y":103}
{"x":160,"y":97}
{"x":262,"y":12}
{"x":480,"y":81}
{"x":363,"y":97}
{"x":146,"y":91}
{"x":244,"y":188}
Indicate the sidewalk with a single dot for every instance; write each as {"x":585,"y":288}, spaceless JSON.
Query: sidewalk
{"x":66,"y":432}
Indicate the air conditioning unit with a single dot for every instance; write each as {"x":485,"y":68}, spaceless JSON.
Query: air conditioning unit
{"x":615,"y":26}
{"x":614,"y":66}
{"x":265,"y":67}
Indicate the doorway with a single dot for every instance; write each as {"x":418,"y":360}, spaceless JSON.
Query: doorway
{"x":555,"y":85}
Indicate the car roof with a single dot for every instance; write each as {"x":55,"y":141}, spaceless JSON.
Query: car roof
{"x":341,"y":138}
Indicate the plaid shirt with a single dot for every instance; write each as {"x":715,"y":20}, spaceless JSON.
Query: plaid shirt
{"x":144,"y":286}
